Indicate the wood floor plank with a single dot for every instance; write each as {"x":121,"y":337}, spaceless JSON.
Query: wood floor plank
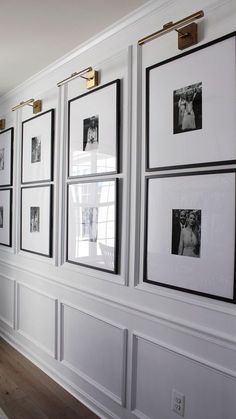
{"x":26,"y":392}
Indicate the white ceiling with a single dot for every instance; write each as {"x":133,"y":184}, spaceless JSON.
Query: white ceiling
{"x":34,"y":33}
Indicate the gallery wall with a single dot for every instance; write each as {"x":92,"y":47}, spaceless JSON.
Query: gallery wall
{"x":118,"y":343}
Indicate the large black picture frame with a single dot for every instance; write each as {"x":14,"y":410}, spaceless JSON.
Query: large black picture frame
{"x":212,"y":272}
{"x":171,"y":147}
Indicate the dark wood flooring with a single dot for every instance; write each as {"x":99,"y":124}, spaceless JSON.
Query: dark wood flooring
{"x":28,"y":393}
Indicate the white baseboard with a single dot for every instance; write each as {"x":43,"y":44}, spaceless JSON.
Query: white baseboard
{"x":101,"y":411}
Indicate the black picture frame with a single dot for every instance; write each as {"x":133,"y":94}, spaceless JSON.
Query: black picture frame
{"x":186,"y":164}
{"x":51,"y":158}
{"x":9,"y":243}
{"x":50,"y":221}
{"x":117,"y":131}
{"x":170,"y":260}
{"x":115,"y":268}
{"x":11,"y":151}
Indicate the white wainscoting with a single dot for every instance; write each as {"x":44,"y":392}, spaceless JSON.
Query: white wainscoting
{"x":7,"y":293}
{"x":98,"y":353}
{"x":158,"y":369}
{"x":37,"y":317}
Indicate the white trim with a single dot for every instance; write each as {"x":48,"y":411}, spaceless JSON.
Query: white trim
{"x":226,"y":372}
{"x":49,"y":352}
{"x":36,"y":343}
{"x":67,"y":384}
{"x":2,"y":318}
{"x":221,"y":339}
{"x":118,"y":399}
{"x":93,"y":383}
{"x":7,"y":322}
{"x":153,"y":6}
{"x":216,"y":368}
{"x":139,"y":414}
{"x":127,"y":21}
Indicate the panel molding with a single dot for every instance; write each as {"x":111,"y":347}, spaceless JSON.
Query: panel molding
{"x":2,"y":318}
{"x":54,"y":352}
{"x":62,"y":380}
{"x":120,"y":400}
{"x":173,"y":350}
{"x":189,"y":328}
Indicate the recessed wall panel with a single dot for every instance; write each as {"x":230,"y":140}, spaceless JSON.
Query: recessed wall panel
{"x":159,"y":370}
{"x":7,"y":300}
{"x":36,"y":318}
{"x":96,"y":350}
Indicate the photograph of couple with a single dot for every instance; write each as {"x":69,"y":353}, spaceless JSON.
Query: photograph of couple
{"x":188,"y":108}
{"x":186,"y":232}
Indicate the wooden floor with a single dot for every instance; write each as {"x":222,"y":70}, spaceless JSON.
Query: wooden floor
{"x":27,"y":393}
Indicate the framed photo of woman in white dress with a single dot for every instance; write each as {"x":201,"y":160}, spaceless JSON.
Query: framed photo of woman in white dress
{"x":190,"y":225}
{"x":189,"y":105}
{"x":94,"y":132}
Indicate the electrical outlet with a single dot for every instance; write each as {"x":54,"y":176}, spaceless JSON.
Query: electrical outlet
{"x":177,"y":402}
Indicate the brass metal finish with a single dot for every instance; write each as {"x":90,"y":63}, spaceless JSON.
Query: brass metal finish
{"x":187,"y":36}
{"x":2,"y":124}
{"x":90,"y":75}
{"x":21,"y":104}
{"x":37,"y":106}
{"x":92,"y":79}
{"x":170,"y":26}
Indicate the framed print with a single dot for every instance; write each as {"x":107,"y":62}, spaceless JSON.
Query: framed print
{"x":94,"y":131}
{"x":191,"y":107}
{"x":6,"y":157}
{"x":92,"y":224}
{"x":6,"y":217}
{"x":190,"y":233}
{"x":36,"y":220}
{"x":37,"y":148}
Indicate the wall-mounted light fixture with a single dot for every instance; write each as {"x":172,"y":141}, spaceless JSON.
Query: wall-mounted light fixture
{"x":187,"y":35}
{"x":36,"y":105}
{"x":2,"y":124}
{"x":90,"y":75}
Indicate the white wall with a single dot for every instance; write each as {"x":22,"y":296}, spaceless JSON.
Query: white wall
{"x":117,"y":344}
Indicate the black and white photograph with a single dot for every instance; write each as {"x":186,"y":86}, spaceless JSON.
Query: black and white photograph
{"x":94,"y":131}
{"x":6,"y":217}
{"x":91,"y":133}
{"x":35,"y":150}
{"x":90,"y":224}
{"x":2,"y":150}
{"x":186,"y":232}
{"x":189,"y":240}
{"x":1,"y":217}
{"x":187,"y":104}
{"x":34,"y":219}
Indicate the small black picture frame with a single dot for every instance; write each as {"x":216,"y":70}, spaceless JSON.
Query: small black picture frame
{"x":6,"y":217}
{"x":37,"y":148}
{"x":204,"y":262}
{"x":6,"y":157}
{"x":36,"y":230}
{"x":102,"y":251}
{"x":94,"y":132}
